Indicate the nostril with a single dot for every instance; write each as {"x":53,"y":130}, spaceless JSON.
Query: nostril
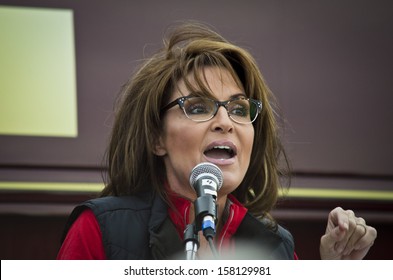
{"x":223,"y":128}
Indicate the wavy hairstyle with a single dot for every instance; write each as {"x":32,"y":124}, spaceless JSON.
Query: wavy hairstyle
{"x":133,"y":168}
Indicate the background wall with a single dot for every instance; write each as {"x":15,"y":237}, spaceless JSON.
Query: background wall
{"x":328,"y":62}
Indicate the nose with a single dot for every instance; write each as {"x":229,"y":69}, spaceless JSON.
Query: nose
{"x":221,"y":122}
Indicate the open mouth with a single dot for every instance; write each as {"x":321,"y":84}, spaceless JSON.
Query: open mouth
{"x":220,"y":152}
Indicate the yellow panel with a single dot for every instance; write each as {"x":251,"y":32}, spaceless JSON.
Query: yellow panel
{"x":51,"y":186}
{"x":37,"y":72}
{"x":339,"y":194}
{"x":293,"y":192}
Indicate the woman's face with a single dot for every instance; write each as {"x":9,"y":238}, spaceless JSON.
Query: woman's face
{"x":186,"y":143}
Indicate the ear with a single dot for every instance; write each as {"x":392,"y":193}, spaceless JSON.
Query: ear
{"x":159,"y":148}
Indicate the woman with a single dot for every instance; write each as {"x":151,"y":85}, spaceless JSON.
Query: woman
{"x":199,"y":99}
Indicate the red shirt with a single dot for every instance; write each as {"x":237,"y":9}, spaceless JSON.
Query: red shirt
{"x":83,"y":240}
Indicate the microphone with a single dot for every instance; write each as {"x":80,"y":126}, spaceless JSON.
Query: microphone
{"x":206,"y":178}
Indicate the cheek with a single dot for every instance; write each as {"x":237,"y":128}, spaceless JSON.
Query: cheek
{"x":179,"y":140}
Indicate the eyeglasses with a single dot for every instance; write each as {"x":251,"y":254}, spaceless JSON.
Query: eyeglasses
{"x":200,"y":109}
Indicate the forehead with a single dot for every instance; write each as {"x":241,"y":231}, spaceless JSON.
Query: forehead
{"x":211,"y":81}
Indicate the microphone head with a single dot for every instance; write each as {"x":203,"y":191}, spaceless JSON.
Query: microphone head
{"x":206,"y":169}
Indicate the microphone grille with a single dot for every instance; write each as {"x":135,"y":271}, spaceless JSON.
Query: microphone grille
{"x":206,"y":168}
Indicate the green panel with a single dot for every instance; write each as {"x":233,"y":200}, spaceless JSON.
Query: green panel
{"x":37,"y":72}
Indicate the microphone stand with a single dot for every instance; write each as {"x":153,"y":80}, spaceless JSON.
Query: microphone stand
{"x":191,"y":240}
{"x":205,"y":210}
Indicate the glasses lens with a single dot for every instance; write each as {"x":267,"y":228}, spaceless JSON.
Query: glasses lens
{"x":243,"y":110}
{"x":198,"y":108}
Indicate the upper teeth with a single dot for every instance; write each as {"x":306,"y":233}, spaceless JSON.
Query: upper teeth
{"x":222,"y":147}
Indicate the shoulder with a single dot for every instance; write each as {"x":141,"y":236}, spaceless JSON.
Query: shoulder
{"x":286,"y":247}
{"x":267,"y":241}
{"x":118,"y":203}
{"x":111,"y":207}
{"x":115,"y":210}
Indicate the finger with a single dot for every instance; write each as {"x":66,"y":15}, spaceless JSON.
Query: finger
{"x":336,"y":230}
{"x":368,"y":238}
{"x":346,"y":220}
{"x":336,"y":218}
{"x":360,"y":222}
{"x":359,"y":231}
{"x":336,"y":226}
{"x":330,"y":240}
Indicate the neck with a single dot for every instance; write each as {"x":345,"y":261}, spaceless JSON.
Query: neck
{"x":221,"y":202}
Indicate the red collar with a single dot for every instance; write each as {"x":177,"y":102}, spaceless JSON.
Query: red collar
{"x":233,"y":214}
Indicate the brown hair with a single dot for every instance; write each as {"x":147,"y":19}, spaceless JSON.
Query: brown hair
{"x":133,"y":167}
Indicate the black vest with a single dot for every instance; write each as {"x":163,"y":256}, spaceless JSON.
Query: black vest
{"x":138,"y":227}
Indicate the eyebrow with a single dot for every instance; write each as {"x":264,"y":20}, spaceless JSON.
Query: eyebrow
{"x":235,"y":95}
{"x":238,"y":95}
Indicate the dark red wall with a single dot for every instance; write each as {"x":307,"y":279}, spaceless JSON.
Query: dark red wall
{"x":328,"y":62}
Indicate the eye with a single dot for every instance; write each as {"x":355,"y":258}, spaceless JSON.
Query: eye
{"x":197,"y":106}
{"x":239,"y":108}
{"x":197,"y":109}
